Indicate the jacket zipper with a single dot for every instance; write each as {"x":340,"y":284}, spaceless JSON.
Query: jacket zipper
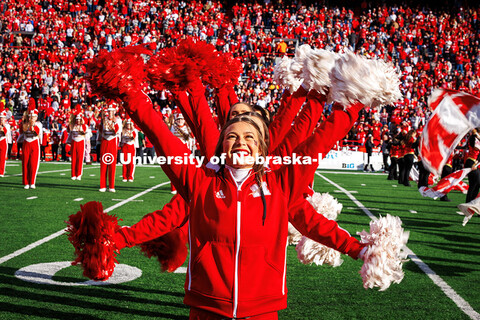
{"x":237,"y":247}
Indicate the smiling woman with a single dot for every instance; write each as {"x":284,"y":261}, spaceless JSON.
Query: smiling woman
{"x":239,"y":214}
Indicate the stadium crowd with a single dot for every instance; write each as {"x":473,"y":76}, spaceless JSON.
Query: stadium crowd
{"x":44,"y":46}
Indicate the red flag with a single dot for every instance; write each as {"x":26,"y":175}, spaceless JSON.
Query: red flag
{"x":445,"y":185}
{"x":454,"y":114}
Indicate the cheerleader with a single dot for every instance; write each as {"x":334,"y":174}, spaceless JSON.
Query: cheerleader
{"x":4,"y":135}
{"x":180,"y":130}
{"x":256,"y":226}
{"x":32,"y":135}
{"x":78,"y":129}
{"x":110,"y":128}
{"x":128,"y":144}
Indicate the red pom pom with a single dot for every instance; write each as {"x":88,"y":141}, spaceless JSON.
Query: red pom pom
{"x":170,"y":249}
{"x":112,"y":74}
{"x":225,"y":69}
{"x":175,"y":68}
{"x":91,"y":232}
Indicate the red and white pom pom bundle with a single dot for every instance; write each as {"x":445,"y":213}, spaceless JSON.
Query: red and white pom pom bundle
{"x":385,"y":252}
{"x":371,"y":82}
{"x":177,"y":67}
{"x":91,"y":232}
{"x":347,"y":77}
{"x":294,"y":236}
{"x":170,"y":249}
{"x":317,"y":69}
{"x":285,"y":76}
{"x":112,"y":74}
{"x":309,"y":251}
{"x":225,"y":69}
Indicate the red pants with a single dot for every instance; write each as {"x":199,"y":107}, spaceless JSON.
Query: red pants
{"x":129,"y":154}
{"x":108,"y":163}
{"x":199,"y":314}
{"x":78,"y":150}
{"x":3,"y":155}
{"x":30,"y":161}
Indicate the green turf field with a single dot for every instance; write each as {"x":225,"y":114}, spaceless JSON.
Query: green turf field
{"x":31,"y":221}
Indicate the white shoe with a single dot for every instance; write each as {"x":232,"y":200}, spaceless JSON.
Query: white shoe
{"x":1,"y":176}
{"x":124,"y":180}
{"x":26,"y":187}
{"x":74,"y":178}
{"x":79,"y":178}
{"x":32,"y":186}
{"x":174,"y":192}
{"x":131,"y":180}
{"x":102,"y":189}
{"x":111,"y":190}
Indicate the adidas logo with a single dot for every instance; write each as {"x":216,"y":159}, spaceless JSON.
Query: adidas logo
{"x":220,"y":195}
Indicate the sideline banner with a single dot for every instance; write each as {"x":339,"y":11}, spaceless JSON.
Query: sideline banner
{"x":350,"y":160}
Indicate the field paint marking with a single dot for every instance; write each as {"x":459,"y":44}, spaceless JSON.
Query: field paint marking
{"x":413,"y":211}
{"x":42,"y":172}
{"x":78,"y":199}
{"x":31,"y":198}
{"x":59,"y":233}
{"x":449,"y":292}
{"x":341,"y":191}
{"x":124,"y":199}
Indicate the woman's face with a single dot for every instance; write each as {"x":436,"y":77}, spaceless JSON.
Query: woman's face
{"x":240,"y":141}
{"x":239,"y":109}
{"x":180,"y":122}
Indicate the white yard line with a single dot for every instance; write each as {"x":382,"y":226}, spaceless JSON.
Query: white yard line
{"x":455,"y":297}
{"x":52,"y":171}
{"x":59,"y":233}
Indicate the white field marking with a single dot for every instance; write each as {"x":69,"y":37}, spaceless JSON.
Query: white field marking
{"x":92,"y":175}
{"x":78,"y":199}
{"x":152,"y":177}
{"x":59,"y":233}
{"x":363,"y":184}
{"x":62,"y":174}
{"x":42,"y":273}
{"x":31,"y":198}
{"x":12,"y":165}
{"x":131,"y":200}
{"x":43,"y":172}
{"x":449,"y":292}
{"x":371,"y":209}
{"x":340,"y":191}
{"x":413,"y":211}
{"x":394,"y":185}
{"x":181,"y":270}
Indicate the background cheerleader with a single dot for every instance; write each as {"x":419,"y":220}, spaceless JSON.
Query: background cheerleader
{"x":128,"y":143}
{"x":78,"y":129}
{"x":110,"y":129}
{"x":32,"y":134}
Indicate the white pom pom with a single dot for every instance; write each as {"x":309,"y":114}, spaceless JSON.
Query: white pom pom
{"x":309,"y":251}
{"x":371,"y":82}
{"x":325,"y":204}
{"x":385,"y":254}
{"x":317,"y":69}
{"x":287,"y":77}
{"x":293,"y":235}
